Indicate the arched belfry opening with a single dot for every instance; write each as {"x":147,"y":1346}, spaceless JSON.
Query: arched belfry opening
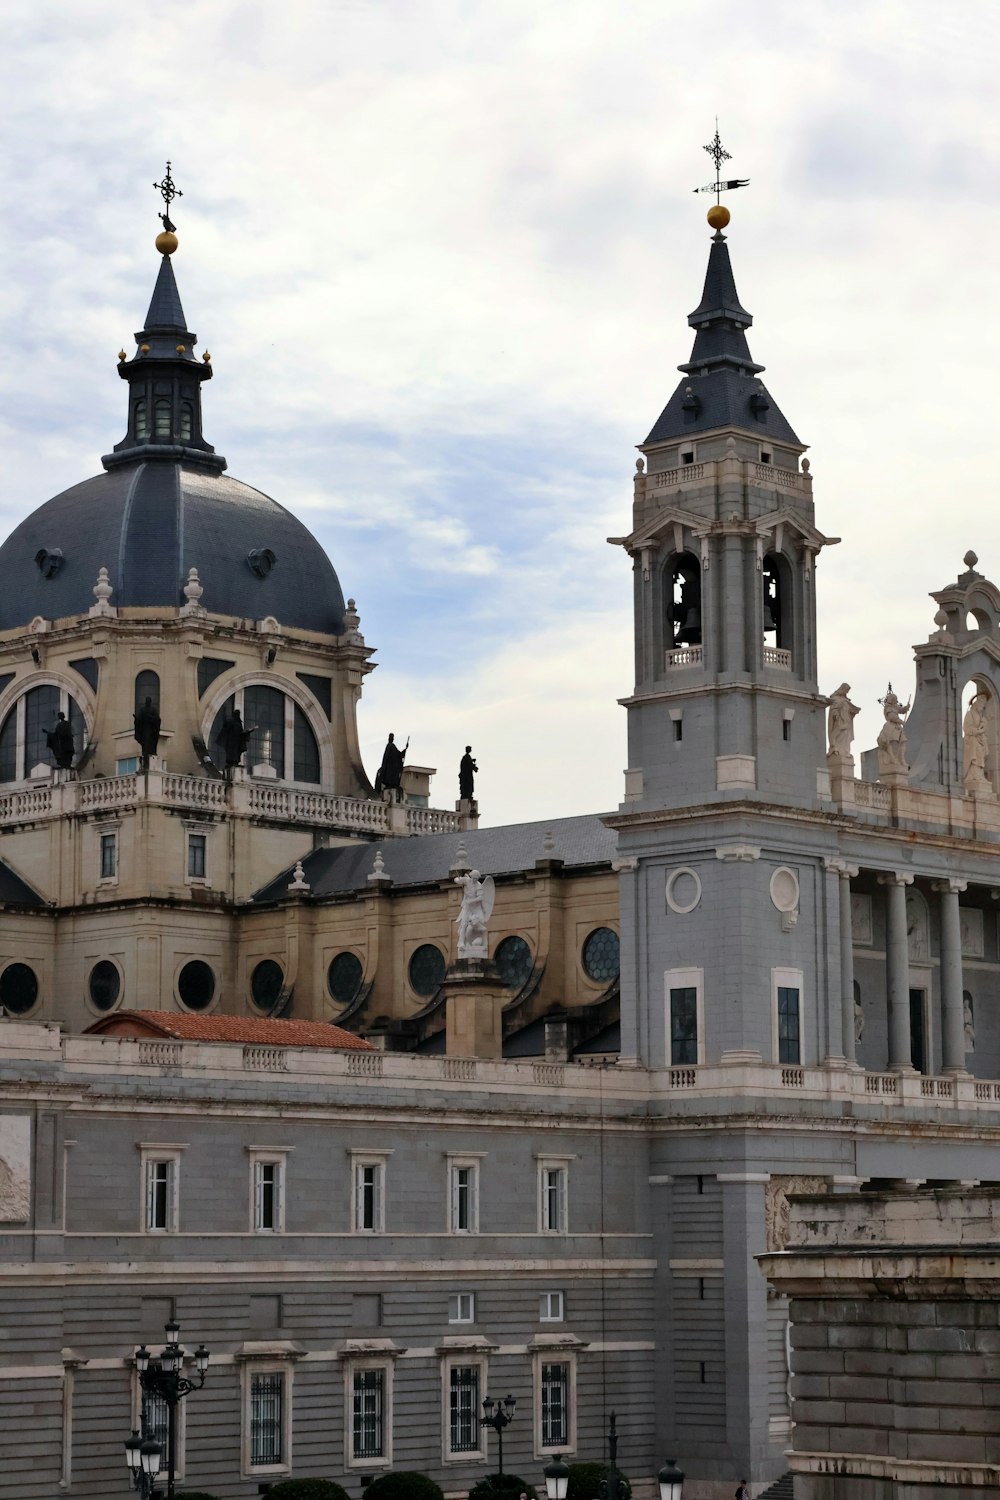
{"x":683,"y":601}
{"x":776,"y":583}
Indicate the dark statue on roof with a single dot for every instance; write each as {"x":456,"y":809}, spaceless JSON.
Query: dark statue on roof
{"x":233,"y":739}
{"x":467,"y":769}
{"x":60,"y":742}
{"x":390,"y":775}
{"x":147,"y":730}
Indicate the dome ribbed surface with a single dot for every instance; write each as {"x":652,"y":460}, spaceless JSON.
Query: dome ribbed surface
{"x":149,"y":524}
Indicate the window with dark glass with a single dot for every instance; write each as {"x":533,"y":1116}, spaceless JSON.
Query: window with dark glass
{"x":141,"y":421}
{"x":157,"y":1414}
{"x":684,"y":1025}
{"x":109,"y":856}
{"x":602,"y":955}
{"x":187,"y":421}
{"x":22,"y":735}
{"x":514,"y":962}
{"x":306,"y":750}
{"x":104,"y":985}
{"x":267,"y":1187}
{"x":264,"y":713}
{"x":41,"y":711}
{"x":161,"y":419}
{"x":344,"y":977}
{"x":788,"y":1025}
{"x":18,"y":989}
{"x":196,"y":984}
{"x":555,"y":1405}
{"x":463,"y":1409}
{"x":197,"y":844}
{"x":159,"y":1193}
{"x":282,"y":736}
{"x":426,"y":969}
{"x":368,"y":1414}
{"x":267,"y":1395}
{"x":147,"y":685}
{"x":265,"y":984}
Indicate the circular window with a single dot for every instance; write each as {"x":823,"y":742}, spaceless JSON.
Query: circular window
{"x":602,"y":955}
{"x":683,"y":891}
{"x":265,"y":984}
{"x":105,"y":985}
{"x":18,"y":989}
{"x":513,"y":960}
{"x":344,"y":977}
{"x":196,"y":985}
{"x":427,"y":968}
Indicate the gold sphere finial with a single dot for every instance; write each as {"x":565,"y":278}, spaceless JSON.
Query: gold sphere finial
{"x":718,"y":216}
{"x":122,"y":356}
{"x":166,"y":242}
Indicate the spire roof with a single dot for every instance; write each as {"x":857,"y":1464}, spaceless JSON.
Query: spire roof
{"x":165,"y":309}
{"x":722,"y":388}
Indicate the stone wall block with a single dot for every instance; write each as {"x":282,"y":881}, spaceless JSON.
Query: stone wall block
{"x":856,"y":1440}
{"x":968,"y":1314}
{"x":809,"y":1387}
{"x":939,"y":1340}
{"x":944,"y":1392}
{"x":847,"y":1337}
{"x":816,"y":1412}
{"x":941,"y":1447}
{"x":888,"y":1362}
{"x":859,"y":1387}
{"x":961,"y":1419}
{"x":810,"y":1336}
{"x":817,"y":1439}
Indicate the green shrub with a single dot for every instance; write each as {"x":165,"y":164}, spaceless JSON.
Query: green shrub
{"x":502,"y":1487}
{"x":585,"y":1479}
{"x":194,"y":1495}
{"x":405,"y":1484}
{"x":307,"y":1489}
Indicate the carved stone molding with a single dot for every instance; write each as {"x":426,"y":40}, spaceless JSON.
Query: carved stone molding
{"x":777,"y":1214}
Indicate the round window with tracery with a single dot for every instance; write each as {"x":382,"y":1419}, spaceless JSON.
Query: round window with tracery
{"x":427,"y":968}
{"x":105,"y":985}
{"x":513,"y":961}
{"x":602,"y":955}
{"x":265,"y":984}
{"x":344,"y":977}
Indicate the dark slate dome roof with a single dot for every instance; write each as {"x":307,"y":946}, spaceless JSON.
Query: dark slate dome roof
{"x":149,"y":523}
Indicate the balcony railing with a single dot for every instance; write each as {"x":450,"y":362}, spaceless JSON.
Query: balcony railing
{"x":776,"y":656}
{"x":684,"y":656}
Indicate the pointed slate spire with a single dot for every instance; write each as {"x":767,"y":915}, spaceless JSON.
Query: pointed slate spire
{"x":721,"y":388}
{"x":165,"y":309}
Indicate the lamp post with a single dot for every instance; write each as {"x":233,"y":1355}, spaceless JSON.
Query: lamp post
{"x":611,"y":1487}
{"x":670,"y":1480}
{"x":556,"y":1475}
{"x":498,"y":1415}
{"x":161,"y":1376}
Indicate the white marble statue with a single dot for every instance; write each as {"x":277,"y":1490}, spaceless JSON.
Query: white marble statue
{"x":840,"y":721}
{"x":477,"y":907}
{"x":892,"y":737}
{"x":968,"y":1022}
{"x":975,"y":743}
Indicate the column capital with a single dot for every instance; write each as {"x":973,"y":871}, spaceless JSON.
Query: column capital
{"x":955,"y":886}
{"x":837,"y":866}
{"x":895,"y":877}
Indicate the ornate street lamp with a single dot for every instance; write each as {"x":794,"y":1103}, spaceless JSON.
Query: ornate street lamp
{"x":671,"y":1481}
{"x":556,"y":1476}
{"x":611,"y":1487}
{"x":161,"y":1377}
{"x":498,"y":1415}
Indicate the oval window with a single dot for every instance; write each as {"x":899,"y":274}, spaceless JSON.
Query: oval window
{"x":105,"y":985}
{"x":196,"y":985}
{"x":18,"y":989}
{"x":513,"y":961}
{"x":344,"y":977}
{"x":427,"y":968}
{"x":602,"y":955}
{"x":265,"y":984}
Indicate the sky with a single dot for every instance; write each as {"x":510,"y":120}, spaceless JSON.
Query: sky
{"x":443,"y":255}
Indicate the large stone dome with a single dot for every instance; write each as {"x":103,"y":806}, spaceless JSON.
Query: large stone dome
{"x":149,"y":523}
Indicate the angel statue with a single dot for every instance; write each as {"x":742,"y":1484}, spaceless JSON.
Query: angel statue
{"x":477,"y":907}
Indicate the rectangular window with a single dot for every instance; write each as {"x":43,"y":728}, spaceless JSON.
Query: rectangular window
{"x":127,"y":765}
{"x":196,"y":856}
{"x":683,"y":1025}
{"x":267,"y":1397}
{"x":368,"y":1414}
{"x":552,"y":1192}
{"x":555,"y":1406}
{"x":267,"y":1194}
{"x":109,"y":856}
{"x":462,"y":1307}
{"x":369,"y":1178}
{"x":553,"y":1307}
{"x":463,"y":1409}
{"x":464,"y":1211}
{"x":789,"y":1049}
{"x":157,"y":1414}
{"x":161,"y":1189}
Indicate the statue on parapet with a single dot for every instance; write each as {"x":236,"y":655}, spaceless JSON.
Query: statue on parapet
{"x":467,"y":769}
{"x":233,"y":739}
{"x":478,"y":896}
{"x":147,"y":730}
{"x":840,"y":722}
{"x":390,"y":773}
{"x":60,"y":741}
{"x":891,"y":742}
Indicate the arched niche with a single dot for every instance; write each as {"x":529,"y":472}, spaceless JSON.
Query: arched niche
{"x":682,"y":600}
{"x":776,"y":584}
{"x":980,"y":757}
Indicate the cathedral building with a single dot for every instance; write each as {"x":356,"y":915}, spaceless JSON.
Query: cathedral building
{"x":250,"y":1080}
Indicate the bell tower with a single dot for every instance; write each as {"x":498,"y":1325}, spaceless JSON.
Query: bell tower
{"x":726,"y":702}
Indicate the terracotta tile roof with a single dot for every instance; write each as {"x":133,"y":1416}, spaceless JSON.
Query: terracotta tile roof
{"x":250,"y":1030}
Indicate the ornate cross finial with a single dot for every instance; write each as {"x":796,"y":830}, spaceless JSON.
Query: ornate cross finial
{"x":169,"y":191}
{"x":719,"y":154}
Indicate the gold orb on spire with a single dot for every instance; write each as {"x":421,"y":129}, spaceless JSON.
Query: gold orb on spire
{"x":718,"y":216}
{"x":167,"y":242}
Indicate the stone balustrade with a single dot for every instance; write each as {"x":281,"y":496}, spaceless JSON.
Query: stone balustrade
{"x":756,"y":473}
{"x":896,"y":1089}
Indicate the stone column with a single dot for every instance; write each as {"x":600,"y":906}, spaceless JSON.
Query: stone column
{"x":847,"y":962}
{"x":897,"y":970}
{"x":952,"y":1008}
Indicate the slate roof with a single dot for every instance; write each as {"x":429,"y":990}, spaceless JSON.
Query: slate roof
{"x":148,"y":524}
{"x":721,"y":388}
{"x":14,"y":891}
{"x":249,"y":1030}
{"x":165,"y":309}
{"x":419,"y":861}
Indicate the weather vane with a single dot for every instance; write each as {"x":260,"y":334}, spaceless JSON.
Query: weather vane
{"x":170,"y":191}
{"x":719,"y":154}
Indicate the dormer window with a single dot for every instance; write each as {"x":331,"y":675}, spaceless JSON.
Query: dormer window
{"x":161,"y":418}
{"x":141,"y":420}
{"x":187,"y":421}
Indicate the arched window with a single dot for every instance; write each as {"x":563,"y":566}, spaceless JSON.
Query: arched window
{"x":147,"y":685}
{"x":161,"y":419}
{"x":187,"y":421}
{"x":777,"y":586}
{"x":22,"y":734}
{"x":281,"y":737}
{"x":141,"y":419}
{"x":683,"y":601}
